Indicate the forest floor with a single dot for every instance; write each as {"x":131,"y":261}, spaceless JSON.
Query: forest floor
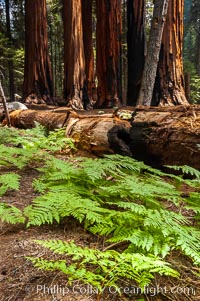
{"x":20,"y":281}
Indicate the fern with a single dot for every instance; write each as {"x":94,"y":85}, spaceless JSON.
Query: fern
{"x":102,"y":269}
{"x":10,"y":214}
{"x":125,"y":203}
{"x":9,"y":136}
{"x":56,"y":141}
{"x":113,"y":164}
{"x":143,"y":188}
{"x":193,"y":202}
{"x":9,"y":181}
{"x":12,"y":156}
{"x":117,"y":197}
{"x":55,"y":206}
{"x":188,"y":170}
{"x":37,"y":137}
{"x":20,"y":148}
{"x":155,"y":231}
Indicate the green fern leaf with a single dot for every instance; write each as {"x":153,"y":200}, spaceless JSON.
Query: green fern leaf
{"x":9,"y":181}
{"x":10,"y":214}
{"x":111,"y":265}
{"x":188,"y":170}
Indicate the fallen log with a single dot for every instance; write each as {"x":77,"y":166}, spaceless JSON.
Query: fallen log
{"x":156,"y":135}
{"x":26,"y":119}
{"x":89,"y":130}
{"x":166,"y":135}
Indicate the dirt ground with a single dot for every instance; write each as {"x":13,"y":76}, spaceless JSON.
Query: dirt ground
{"x":19,"y":281}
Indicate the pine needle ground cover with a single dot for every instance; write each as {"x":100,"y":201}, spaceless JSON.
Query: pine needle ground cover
{"x":140,"y":220}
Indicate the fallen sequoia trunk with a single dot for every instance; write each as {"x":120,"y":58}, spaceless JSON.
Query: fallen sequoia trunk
{"x":167,"y":135}
{"x":156,"y":135}
{"x":89,"y":130}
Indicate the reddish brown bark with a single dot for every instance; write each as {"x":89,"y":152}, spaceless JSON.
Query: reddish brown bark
{"x":136,"y":47}
{"x":37,"y":71}
{"x":90,"y":88}
{"x":10,"y":58}
{"x":109,"y":27}
{"x":74,"y":59}
{"x":166,"y":135}
{"x":169,"y":88}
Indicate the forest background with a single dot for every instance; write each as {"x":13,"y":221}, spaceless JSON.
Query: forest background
{"x":12,"y":47}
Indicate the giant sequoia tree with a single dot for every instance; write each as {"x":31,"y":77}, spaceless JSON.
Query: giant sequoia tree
{"x":109,"y":26}
{"x":37,"y":71}
{"x":74,"y":58}
{"x":80,"y":76}
{"x":90,"y":89}
{"x":10,"y":59}
{"x":136,"y":43}
{"x":169,"y":88}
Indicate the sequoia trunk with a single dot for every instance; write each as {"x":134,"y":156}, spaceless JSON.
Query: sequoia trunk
{"x":10,"y":59}
{"x":37,"y":71}
{"x":74,"y":58}
{"x":109,"y":27}
{"x":169,"y":87}
{"x":136,"y":47}
{"x":89,"y":53}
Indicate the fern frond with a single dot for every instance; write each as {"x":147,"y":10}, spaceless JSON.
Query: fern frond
{"x":192,"y":202}
{"x":188,"y":241}
{"x":56,"y":169}
{"x":9,"y":181}
{"x":127,"y":163}
{"x":159,"y":218}
{"x":12,"y":156}
{"x":142,"y":188}
{"x":185,"y":169}
{"x":117,"y":197}
{"x":53,"y":206}
{"x":151,"y":231}
{"x":102,"y":269}
{"x":33,"y":143}
{"x":134,"y":207}
{"x":10,"y":214}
